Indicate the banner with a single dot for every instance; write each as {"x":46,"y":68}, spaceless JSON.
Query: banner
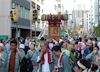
{"x":4,"y":37}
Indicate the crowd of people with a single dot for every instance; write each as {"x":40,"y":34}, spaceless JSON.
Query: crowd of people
{"x":50,"y":55}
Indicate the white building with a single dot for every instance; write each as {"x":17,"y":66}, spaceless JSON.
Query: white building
{"x":78,"y":13}
{"x":94,"y":13}
{"x":86,"y":22}
{"x":50,"y":7}
{"x":39,"y":5}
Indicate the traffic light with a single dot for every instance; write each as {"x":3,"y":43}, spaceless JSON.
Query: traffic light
{"x":34,"y":15}
{"x":14,"y":15}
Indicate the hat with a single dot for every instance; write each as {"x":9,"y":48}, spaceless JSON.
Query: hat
{"x":83,"y":64}
{"x":1,"y":45}
{"x":23,"y":40}
{"x":89,"y":42}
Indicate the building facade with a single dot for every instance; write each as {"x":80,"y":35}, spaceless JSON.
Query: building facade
{"x":86,"y":21}
{"x":39,"y":5}
{"x":94,"y":13}
{"x":7,"y":27}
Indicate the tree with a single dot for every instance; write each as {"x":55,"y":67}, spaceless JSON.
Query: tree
{"x":97,"y":31}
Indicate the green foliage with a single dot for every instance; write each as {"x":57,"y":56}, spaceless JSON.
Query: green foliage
{"x":97,"y":31}
{"x":85,"y":36}
{"x":69,"y":30}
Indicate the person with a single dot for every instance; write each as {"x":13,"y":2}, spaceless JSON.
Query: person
{"x":33,"y":54}
{"x":47,"y":59}
{"x":72,"y":47}
{"x":64,"y":62}
{"x":94,"y":68}
{"x":30,"y":42}
{"x":0,"y":41}
{"x":41,"y":40}
{"x":51,"y":44}
{"x":68,"y":52}
{"x":3,"y":42}
{"x":82,"y":66}
{"x":7,"y":46}
{"x":90,"y":58}
{"x":81,"y":46}
{"x":13,"y":57}
{"x":94,"y":55}
{"x":27,"y":41}
{"x":22,"y":46}
{"x":95,"y":42}
{"x":77,"y":53}
{"x":68,"y":44}
{"x":47,"y":41}
{"x":86,"y":51}
{"x":98,"y":70}
{"x":2,"y":58}
{"x":19,"y":40}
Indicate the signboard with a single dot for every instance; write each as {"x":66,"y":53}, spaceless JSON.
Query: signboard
{"x":54,"y":30}
{"x":54,"y":17}
{"x":4,"y":37}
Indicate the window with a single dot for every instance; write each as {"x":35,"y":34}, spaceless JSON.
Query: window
{"x":42,"y":1}
{"x":59,"y":6}
{"x":25,"y":13}
{"x":21,"y":11}
{"x":12,"y":5}
{"x":42,"y":11}
{"x":55,"y":7}
{"x":29,"y":14}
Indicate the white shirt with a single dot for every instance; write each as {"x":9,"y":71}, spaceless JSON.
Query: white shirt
{"x":93,"y":43}
{"x":50,"y":46}
{"x":45,"y":66}
{"x":22,"y":46}
{"x":82,"y":47}
{"x":30,"y":44}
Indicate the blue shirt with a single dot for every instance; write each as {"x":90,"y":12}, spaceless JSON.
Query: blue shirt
{"x":86,"y":51}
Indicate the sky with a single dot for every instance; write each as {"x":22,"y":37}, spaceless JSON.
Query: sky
{"x":69,"y":4}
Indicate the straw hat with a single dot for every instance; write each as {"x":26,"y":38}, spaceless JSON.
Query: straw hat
{"x":89,"y":42}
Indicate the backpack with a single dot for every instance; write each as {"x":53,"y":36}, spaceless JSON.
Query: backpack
{"x":26,"y":65}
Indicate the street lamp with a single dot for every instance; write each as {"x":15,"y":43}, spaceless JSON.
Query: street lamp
{"x":14,"y":17}
{"x":34,"y":18}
